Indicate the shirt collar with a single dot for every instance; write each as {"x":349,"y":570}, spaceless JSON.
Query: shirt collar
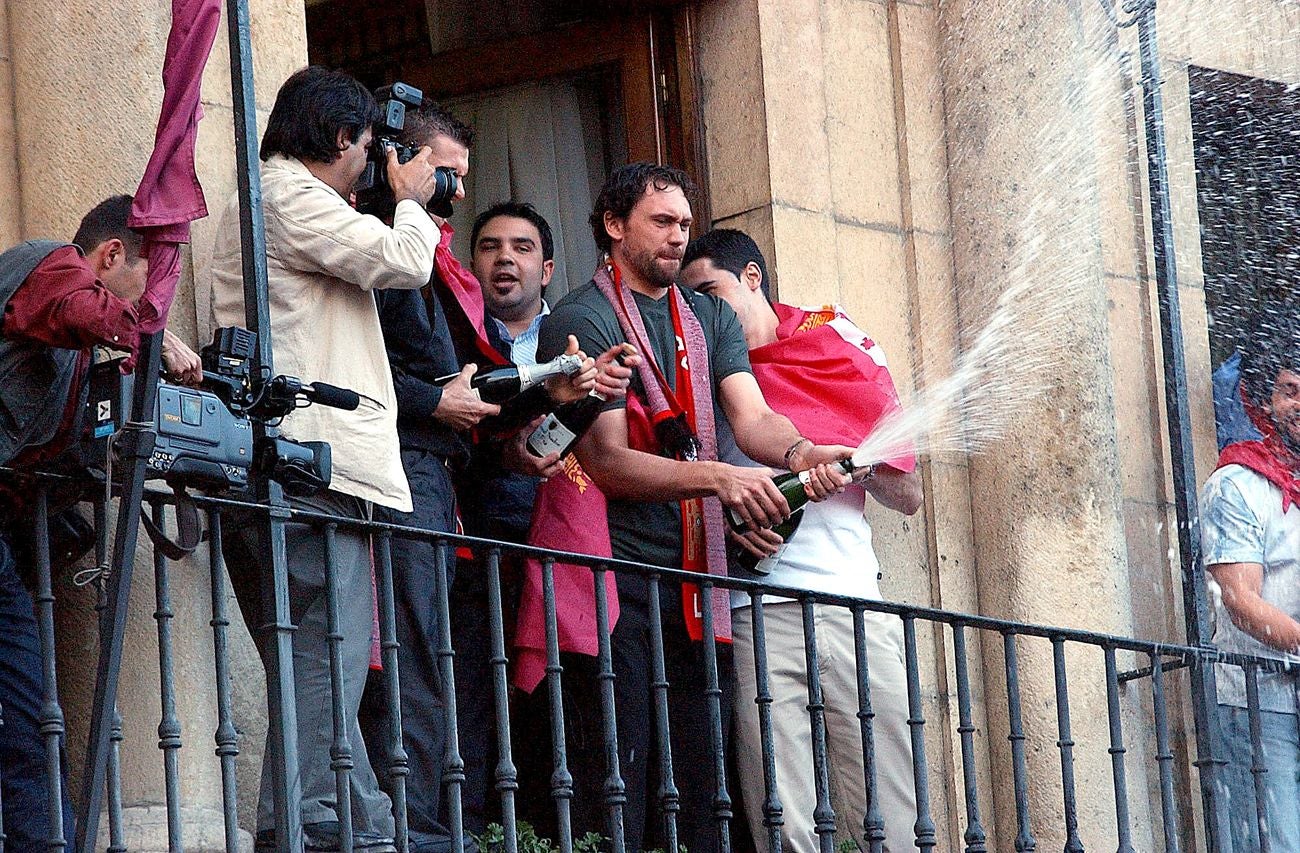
{"x":532,"y":327}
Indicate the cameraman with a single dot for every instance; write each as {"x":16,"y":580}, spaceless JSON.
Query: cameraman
{"x":58,"y":300}
{"x":324,"y":261}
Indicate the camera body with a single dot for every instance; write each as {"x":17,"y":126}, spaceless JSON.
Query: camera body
{"x":374,"y":193}
{"x":204,"y":436}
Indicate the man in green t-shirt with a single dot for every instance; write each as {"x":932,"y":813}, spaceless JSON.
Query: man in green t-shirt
{"x":654,"y":478}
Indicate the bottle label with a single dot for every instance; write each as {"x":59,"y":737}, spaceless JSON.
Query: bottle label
{"x":550,"y":437}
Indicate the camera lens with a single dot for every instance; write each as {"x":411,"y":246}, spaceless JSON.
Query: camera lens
{"x":445,"y":184}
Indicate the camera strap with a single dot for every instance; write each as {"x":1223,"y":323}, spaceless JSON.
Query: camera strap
{"x":189,"y":529}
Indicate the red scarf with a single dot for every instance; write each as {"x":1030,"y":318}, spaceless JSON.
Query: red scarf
{"x":703,"y":529}
{"x":1268,"y":457}
{"x":466,"y":290}
{"x":827,"y":376}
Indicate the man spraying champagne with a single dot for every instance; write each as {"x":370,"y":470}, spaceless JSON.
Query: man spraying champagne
{"x":831,"y":379}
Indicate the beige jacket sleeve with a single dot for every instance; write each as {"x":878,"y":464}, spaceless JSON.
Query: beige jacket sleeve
{"x":322,"y":233}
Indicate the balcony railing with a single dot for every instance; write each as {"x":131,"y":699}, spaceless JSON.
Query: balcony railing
{"x":1144,"y":691}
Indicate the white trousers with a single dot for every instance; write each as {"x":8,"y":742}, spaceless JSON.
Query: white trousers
{"x":791,"y":730}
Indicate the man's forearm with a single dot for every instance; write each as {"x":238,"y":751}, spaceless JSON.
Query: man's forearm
{"x":767,"y":437}
{"x":1266,"y":623}
{"x":633,"y":475}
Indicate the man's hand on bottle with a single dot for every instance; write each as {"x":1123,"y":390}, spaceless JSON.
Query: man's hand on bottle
{"x":761,"y":543}
{"x":614,"y":370}
{"x":515,"y":455}
{"x":825,"y":479}
{"x":566,"y":389}
{"x":752,"y":494}
{"x":460,"y":407}
{"x":180,"y":362}
{"x":413,"y":179}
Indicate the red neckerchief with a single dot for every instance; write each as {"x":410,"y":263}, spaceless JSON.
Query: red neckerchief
{"x":466,"y":290}
{"x":1268,"y":457}
{"x":703,"y":530}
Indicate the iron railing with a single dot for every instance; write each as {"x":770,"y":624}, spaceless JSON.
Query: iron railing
{"x":1127,"y":692}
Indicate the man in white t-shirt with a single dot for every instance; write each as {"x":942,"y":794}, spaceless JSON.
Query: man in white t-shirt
{"x":1250,"y":536}
{"x":826,"y":375}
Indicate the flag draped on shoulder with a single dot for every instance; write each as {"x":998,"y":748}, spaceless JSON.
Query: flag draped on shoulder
{"x":828,"y":377}
{"x":169,"y":197}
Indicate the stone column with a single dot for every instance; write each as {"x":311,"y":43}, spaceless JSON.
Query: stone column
{"x":1029,"y":87}
{"x":85,"y":108}
{"x":11,"y":210}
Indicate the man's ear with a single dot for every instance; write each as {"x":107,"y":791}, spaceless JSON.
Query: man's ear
{"x":341,"y":142}
{"x":108,"y":255}
{"x":613,"y":226}
{"x":752,"y":275}
{"x":548,"y":270}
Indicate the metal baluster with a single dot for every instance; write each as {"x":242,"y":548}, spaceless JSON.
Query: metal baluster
{"x":113,"y":769}
{"x":341,"y":746}
{"x":1117,"y":753}
{"x":1016,"y":735}
{"x":2,"y":813}
{"x":924,"y":827}
{"x":227,"y":736}
{"x":1065,"y":742}
{"x":561,"y":778}
{"x":823,"y":812}
{"x":1258,"y":768}
{"x":51,"y":715}
{"x":507,"y":775}
{"x":169,"y":728}
{"x":615,"y":791}
{"x":772,"y":814}
{"x":873,"y":822}
{"x":400,"y":765}
{"x":116,"y":842}
{"x":453,"y":775}
{"x":669,"y":797}
{"x":713,"y":693}
{"x":1164,"y":755}
{"x":974,"y":836}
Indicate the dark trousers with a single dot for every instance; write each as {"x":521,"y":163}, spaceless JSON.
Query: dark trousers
{"x":25,"y":783}
{"x":424,"y":729}
{"x":638,"y":749}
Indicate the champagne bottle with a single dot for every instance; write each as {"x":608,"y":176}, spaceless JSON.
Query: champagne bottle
{"x":562,"y":428}
{"x":791,"y":485}
{"x":498,"y":384}
{"x":785,"y":530}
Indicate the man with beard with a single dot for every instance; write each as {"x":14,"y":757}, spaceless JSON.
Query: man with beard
{"x":654,"y":455}
{"x":1250,"y":535}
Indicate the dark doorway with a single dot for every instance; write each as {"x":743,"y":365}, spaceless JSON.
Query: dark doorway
{"x":560,"y":91}
{"x":1246,"y":139}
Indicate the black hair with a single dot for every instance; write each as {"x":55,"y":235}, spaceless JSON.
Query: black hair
{"x":1274,"y":346}
{"x":730,"y":250}
{"x":518,"y":210}
{"x":624,"y":189}
{"x":311,"y":108}
{"x":106,"y":221}
{"x":433,"y":119}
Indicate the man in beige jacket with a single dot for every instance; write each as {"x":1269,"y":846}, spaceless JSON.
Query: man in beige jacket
{"x":323,"y":261}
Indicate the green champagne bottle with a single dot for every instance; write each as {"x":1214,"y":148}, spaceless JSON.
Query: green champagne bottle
{"x":785,"y":530}
{"x":791,"y":485}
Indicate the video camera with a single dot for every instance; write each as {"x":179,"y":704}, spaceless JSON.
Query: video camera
{"x":204,"y":436}
{"x":374,"y":193}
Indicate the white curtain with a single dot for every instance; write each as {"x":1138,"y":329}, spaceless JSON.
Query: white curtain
{"x":540,"y":143}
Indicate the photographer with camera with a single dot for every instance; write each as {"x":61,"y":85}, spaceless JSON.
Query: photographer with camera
{"x":326,"y":262}
{"x":58,"y":301}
